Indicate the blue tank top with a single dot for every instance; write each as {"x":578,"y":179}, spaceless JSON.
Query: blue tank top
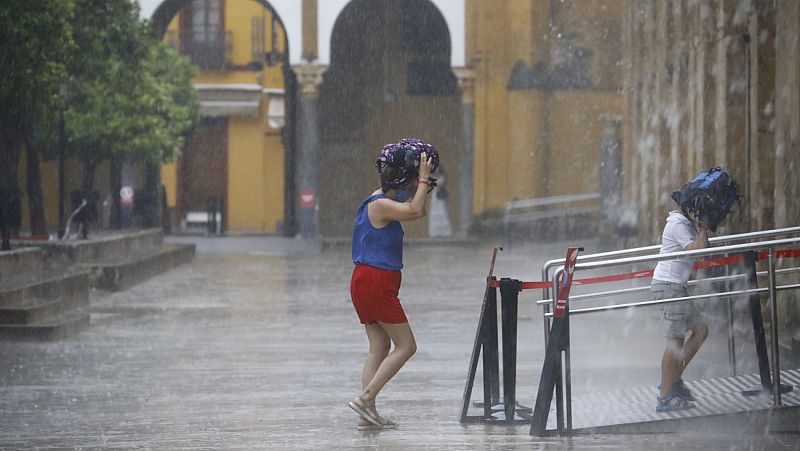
{"x":380,"y":248}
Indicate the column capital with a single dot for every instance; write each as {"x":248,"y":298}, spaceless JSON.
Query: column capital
{"x":309,"y":77}
{"x":466,"y":83}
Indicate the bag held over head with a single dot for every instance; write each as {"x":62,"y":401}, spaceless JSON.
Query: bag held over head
{"x":710,"y":196}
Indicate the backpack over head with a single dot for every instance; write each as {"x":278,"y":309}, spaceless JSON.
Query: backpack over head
{"x":710,"y":196}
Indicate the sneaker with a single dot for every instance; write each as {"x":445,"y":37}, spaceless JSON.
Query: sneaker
{"x":673,"y":401}
{"x":682,"y":390}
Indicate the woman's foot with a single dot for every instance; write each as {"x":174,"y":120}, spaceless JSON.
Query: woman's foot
{"x":365,"y":425}
{"x":366,"y":409}
{"x":368,"y":422}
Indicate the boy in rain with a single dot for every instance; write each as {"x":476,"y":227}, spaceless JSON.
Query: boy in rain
{"x":704,"y":203}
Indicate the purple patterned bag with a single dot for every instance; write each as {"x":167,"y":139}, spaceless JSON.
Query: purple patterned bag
{"x":406,"y":156}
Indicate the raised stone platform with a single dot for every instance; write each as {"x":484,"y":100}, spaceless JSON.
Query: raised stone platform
{"x":40,"y":300}
{"x":44,"y":285}
{"x":119,"y":273}
{"x":118,"y":261}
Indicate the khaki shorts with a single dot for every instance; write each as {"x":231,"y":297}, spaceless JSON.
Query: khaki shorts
{"x":677,"y":318}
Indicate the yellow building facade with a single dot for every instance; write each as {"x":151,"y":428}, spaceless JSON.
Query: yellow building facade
{"x":541,"y":88}
{"x":237,"y":155}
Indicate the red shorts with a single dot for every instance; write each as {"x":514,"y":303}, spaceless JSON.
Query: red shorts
{"x":374,"y":294}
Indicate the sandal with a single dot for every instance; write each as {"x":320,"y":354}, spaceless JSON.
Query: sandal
{"x":367,"y":411}
{"x":385,"y":422}
{"x":369,"y":427}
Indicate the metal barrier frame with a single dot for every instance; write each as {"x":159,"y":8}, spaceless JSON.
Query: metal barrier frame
{"x":771,"y":289}
{"x":654,"y":248}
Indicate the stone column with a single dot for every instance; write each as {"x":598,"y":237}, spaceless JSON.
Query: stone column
{"x":787,"y":114}
{"x":309,"y":78}
{"x":610,"y":177}
{"x":466,"y":82}
{"x":309,"y":8}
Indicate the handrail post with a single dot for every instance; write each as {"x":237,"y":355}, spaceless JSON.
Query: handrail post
{"x":731,"y":335}
{"x":773,"y":305}
{"x":545,"y":309}
{"x":559,"y":381}
{"x":567,"y":372}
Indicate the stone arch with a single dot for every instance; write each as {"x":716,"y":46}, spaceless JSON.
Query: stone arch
{"x":167,"y":9}
{"x":389,"y":77}
{"x":160,"y":20}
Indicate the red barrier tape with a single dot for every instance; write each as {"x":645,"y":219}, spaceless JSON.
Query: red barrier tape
{"x":722,"y":261}
{"x":524,"y":285}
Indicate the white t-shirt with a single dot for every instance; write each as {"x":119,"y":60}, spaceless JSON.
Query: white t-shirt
{"x":678,"y":233}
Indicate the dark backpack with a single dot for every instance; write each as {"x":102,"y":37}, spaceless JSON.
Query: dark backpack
{"x":710,"y":196}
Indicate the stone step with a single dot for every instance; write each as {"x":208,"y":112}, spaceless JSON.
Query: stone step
{"x":119,"y":273}
{"x":37,"y":310}
{"x":65,"y":325}
{"x":97,"y":247}
{"x":45,"y":285}
{"x":16,"y":261}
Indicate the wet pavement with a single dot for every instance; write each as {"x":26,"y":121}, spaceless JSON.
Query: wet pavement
{"x":256,"y":345}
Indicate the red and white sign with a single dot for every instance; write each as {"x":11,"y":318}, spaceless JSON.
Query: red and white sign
{"x":566,"y":282}
{"x":308,"y":198}
{"x":126,"y":196}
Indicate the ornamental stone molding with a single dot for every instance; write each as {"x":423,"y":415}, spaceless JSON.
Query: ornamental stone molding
{"x":466,"y":83}
{"x":309,"y":77}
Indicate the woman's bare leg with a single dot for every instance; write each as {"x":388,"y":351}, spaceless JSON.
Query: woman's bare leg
{"x":404,"y":347}
{"x":379,"y":344}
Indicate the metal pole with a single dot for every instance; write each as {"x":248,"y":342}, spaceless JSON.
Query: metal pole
{"x":773,"y":306}
{"x":731,"y":340}
{"x":545,"y":310}
{"x":567,"y":373}
{"x":61,"y":173}
{"x":559,"y":381}
{"x":731,"y":337}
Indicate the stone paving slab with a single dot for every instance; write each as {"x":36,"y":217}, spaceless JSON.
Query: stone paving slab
{"x":256,"y":345}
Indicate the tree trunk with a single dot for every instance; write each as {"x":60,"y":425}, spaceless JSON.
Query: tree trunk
{"x":9,"y":156}
{"x":9,"y":162}
{"x":116,"y":186}
{"x":34,"y":186}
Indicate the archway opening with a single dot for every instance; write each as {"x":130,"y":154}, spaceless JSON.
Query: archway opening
{"x":389,"y":77}
{"x":241,"y":158}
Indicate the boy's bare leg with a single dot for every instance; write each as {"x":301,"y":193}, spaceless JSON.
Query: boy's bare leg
{"x":692,"y":345}
{"x":671,"y":365}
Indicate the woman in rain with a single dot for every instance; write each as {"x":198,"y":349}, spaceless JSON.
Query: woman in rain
{"x":404,"y":169}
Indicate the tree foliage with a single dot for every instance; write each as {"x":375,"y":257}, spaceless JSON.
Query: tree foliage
{"x":123,"y":94}
{"x":36,"y":40}
{"x":131,"y":97}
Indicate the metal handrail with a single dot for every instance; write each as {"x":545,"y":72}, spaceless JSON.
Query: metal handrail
{"x":726,"y":294}
{"x":657,"y":247}
{"x":771,"y":289}
{"x":704,"y":252}
{"x":645,"y":249}
{"x":601,"y":294}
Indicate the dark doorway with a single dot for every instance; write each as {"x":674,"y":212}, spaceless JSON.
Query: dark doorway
{"x":389,"y":78}
{"x":203,"y":167}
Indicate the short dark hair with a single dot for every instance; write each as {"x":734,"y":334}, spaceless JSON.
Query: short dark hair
{"x":393,"y":173}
